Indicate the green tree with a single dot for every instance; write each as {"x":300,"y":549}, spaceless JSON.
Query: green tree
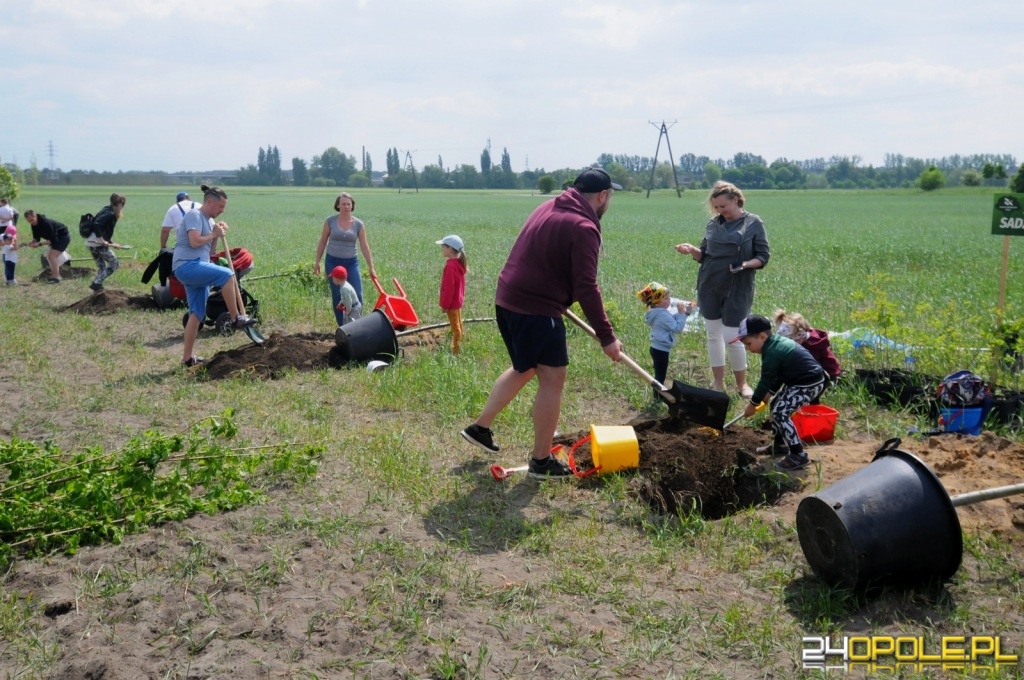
{"x":300,"y":173}
{"x":931,"y":179}
{"x":8,"y":187}
{"x":334,"y":165}
{"x":393,"y":164}
{"x":485,"y":159}
{"x":546,"y":184}
{"x":433,"y":177}
{"x":506,"y":161}
{"x":368,"y":166}
{"x":712,"y":173}
{"x":358,"y":180}
{"x":1017,"y":183}
{"x":971,"y":178}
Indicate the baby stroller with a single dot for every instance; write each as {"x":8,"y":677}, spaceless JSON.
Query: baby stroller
{"x":217,"y":315}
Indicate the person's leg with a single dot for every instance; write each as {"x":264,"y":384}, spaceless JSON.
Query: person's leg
{"x":716,"y":351}
{"x":355,"y":278}
{"x":191,"y":333}
{"x":8,"y":270}
{"x":547,"y":405}
{"x":196,"y":297}
{"x":52,"y":256}
{"x":107,"y":263}
{"x":505,"y":389}
{"x":659,"y":359}
{"x":229,"y":291}
{"x":455,"y":320}
{"x":785,"y":404}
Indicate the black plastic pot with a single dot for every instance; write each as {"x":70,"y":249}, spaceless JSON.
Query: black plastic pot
{"x":891,"y":522}
{"x":897,"y":386}
{"x":371,"y":337}
{"x":1008,"y":408}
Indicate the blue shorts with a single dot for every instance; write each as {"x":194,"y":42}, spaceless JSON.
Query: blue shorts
{"x":532,"y":340}
{"x":197,"y":277}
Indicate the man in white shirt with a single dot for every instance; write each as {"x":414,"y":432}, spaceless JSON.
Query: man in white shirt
{"x":175,"y":214}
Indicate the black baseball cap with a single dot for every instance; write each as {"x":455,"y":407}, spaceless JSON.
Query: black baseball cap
{"x":593,"y":180}
{"x":755,"y":323}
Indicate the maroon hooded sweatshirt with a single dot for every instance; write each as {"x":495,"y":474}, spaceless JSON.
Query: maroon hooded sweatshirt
{"x":553,"y":263}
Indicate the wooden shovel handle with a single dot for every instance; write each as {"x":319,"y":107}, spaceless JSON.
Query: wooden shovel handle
{"x":625,"y":359}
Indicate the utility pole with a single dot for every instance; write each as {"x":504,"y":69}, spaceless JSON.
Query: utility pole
{"x":52,"y":151}
{"x":412,"y":168}
{"x":663,"y":132}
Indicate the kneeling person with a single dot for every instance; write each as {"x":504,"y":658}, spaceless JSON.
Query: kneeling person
{"x":790,"y":373}
{"x":349,"y":308}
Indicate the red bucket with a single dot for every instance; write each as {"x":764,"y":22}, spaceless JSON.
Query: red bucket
{"x":816,"y":423}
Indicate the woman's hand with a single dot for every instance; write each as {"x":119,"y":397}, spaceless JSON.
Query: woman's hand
{"x":316,"y":267}
{"x":688,"y":249}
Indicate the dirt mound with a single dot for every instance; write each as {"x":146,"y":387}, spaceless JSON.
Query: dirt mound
{"x":302,"y":352}
{"x":276,"y":356}
{"x":683,"y":465}
{"x":67,"y":272}
{"x":110,"y":301}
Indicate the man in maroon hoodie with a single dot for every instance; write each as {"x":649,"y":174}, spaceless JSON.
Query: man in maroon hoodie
{"x":552,"y":264}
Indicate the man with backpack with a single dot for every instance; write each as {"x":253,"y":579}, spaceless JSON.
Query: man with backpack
{"x":175,"y":214}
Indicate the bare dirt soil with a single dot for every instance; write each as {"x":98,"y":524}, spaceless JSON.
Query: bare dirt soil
{"x":227,"y":622}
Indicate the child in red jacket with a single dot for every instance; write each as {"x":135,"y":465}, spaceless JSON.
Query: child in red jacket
{"x":795,"y":327}
{"x":453,"y":284}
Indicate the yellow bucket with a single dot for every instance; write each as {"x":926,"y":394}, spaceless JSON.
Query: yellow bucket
{"x":614,"y":447}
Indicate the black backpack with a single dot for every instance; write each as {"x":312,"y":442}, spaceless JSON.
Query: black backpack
{"x":86,"y":225}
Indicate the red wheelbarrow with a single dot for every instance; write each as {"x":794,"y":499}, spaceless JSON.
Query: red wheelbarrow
{"x":396,"y":307}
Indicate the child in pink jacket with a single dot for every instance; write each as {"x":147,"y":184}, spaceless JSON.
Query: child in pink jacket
{"x":453,"y":284}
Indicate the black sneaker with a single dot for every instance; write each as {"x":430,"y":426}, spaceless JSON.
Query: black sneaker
{"x":793,"y":462}
{"x":95,"y":287}
{"x":52,"y":280}
{"x":193,"y":361}
{"x":481,"y":436}
{"x":549,"y":467}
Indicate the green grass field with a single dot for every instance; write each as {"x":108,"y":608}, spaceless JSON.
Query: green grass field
{"x":403,"y":542}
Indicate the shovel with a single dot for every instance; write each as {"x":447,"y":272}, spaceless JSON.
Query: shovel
{"x":760,"y":407}
{"x":251,"y":331}
{"x":704,"y":407}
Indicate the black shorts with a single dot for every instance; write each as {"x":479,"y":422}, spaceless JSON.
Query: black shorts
{"x":60,"y":241}
{"x":532,"y":340}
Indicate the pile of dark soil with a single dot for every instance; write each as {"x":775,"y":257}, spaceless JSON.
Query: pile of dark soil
{"x":685,"y":466}
{"x":301,"y":352}
{"x":109,"y":301}
{"x":68,"y":272}
{"x":276,"y":356}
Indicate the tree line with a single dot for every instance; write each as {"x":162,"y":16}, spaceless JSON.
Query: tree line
{"x":333,"y":167}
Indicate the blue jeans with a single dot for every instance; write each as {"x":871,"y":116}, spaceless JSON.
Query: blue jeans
{"x":9,"y":269}
{"x":354,"y":278}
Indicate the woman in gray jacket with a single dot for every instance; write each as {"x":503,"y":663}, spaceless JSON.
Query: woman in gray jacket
{"x":734,"y":247}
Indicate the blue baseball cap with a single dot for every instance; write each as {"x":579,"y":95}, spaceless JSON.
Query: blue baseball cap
{"x":182,"y":195}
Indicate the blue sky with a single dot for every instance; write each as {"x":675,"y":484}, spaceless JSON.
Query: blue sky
{"x":179,"y":85}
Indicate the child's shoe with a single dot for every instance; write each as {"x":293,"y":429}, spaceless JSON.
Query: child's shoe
{"x":794,"y":461}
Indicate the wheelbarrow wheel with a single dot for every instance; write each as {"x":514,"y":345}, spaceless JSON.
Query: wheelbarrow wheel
{"x":223,"y":324}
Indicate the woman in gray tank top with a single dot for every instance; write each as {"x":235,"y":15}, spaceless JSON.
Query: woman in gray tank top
{"x":339,"y":237}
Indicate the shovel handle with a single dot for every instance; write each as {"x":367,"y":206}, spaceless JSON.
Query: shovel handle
{"x":625,"y":359}
{"x":760,"y":407}
{"x":986,"y":495}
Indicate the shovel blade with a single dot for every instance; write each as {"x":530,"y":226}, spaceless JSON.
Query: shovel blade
{"x":254,"y":335}
{"x":698,"y":405}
